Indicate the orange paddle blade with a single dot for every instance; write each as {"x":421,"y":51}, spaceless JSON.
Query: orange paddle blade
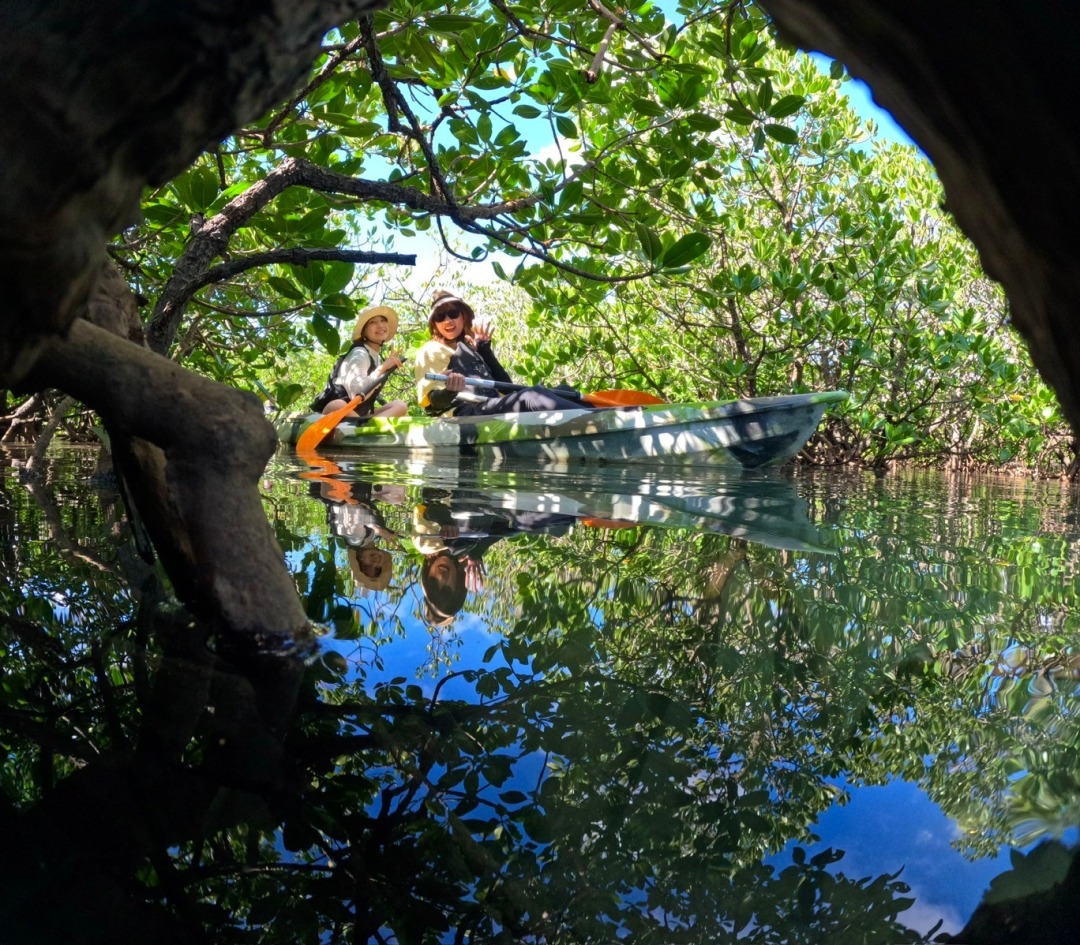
{"x":607,"y":523}
{"x":324,"y":472}
{"x":621,"y":398}
{"x":320,"y":429}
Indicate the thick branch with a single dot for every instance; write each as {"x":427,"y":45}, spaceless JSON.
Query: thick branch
{"x":300,"y":256}
{"x":191,"y":452}
{"x":212,"y":239}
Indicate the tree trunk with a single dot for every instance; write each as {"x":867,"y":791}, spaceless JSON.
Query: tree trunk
{"x":191,"y":452}
{"x":104,"y":99}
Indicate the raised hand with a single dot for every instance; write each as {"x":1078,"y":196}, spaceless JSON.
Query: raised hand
{"x":392,"y":363}
{"x":482,"y":331}
{"x":475,"y":575}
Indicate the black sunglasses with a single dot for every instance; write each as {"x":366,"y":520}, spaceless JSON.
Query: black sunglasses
{"x":446,"y":316}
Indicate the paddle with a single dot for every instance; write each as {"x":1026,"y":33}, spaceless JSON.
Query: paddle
{"x":622,"y":398}
{"x":320,"y":429}
{"x":601,"y":398}
{"x":325,"y":473}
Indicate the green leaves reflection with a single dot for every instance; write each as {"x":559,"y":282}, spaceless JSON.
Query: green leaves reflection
{"x":654,"y":715}
{"x":698,"y":696}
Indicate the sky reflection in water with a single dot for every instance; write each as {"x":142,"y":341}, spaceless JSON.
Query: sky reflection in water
{"x":576,"y":726}
{"x":951,"y":590}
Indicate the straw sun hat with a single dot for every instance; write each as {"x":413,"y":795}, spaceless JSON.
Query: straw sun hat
{"x":374,"y":571}
{"x":368,"y":314}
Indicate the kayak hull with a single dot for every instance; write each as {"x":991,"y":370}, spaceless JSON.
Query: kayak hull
{"x":748,"y":434}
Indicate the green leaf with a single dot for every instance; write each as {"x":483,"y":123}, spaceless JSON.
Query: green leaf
{"x":286,"y":288}
{"x":204,"y":187}
{"x":285,"y":395}
{"x":787,"y":105}
{"x":463,"y":131}
{"x":451,"y":23}
{"x":739,"y":113}
{"x":326,"y":333}
{"x":571,"y":195}
{"x":764,"y":95}
{"x":528,"y":112}
{"x":566,"y":126}
{"x":310,"y":276}
{"x":338,"y":306}
{"x":313,"y":223}
{"x":506,"y":137}
{"x":647,"y":107}
{"x":684,"y":250}
{"x":336,"y":276}
{"x":651,"y":245}
{"x":699,"y":121}
{"x":782,"y":133}
{"x":197,"y":188}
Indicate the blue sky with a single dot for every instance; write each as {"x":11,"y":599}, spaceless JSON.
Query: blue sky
{"x":862,"y":102}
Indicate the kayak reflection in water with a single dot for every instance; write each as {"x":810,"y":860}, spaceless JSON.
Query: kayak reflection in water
{"x":453,"y":538}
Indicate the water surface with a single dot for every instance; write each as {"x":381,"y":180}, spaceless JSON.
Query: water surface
{"x":555,"y":705}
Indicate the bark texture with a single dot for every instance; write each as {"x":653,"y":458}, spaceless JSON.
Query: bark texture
{"x":190,"y":451}
{"x":105,"y":98}
{"x":988,"y":92}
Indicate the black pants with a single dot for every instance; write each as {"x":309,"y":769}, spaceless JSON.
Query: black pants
{"x":519,"y":401}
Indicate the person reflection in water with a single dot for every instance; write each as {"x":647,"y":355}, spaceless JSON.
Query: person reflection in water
{"x":354,"y":517}
{"x":453,"y":563}
{"x":372,"y":568}
{"x":446,"y":581}
{"x":453,"y":533}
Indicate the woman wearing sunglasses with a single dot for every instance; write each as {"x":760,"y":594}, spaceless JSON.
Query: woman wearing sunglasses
{"x":459,"y":348}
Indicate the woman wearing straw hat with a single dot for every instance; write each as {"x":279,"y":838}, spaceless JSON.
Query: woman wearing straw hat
{"x":372,"y":568}
{"x":361,"y":370}
{"x":459,"y":348}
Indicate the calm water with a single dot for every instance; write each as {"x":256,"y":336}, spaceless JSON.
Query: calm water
{"x":550,"y":706}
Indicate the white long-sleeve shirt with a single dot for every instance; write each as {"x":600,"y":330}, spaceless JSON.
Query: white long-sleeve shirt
{"x":357,"y":372}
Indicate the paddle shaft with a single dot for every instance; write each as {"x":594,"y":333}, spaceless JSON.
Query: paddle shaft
{"x":603,"y":398}
{"x":503,"y":385}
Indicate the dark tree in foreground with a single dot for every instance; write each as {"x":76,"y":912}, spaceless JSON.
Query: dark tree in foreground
{"x":127,"y":98}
